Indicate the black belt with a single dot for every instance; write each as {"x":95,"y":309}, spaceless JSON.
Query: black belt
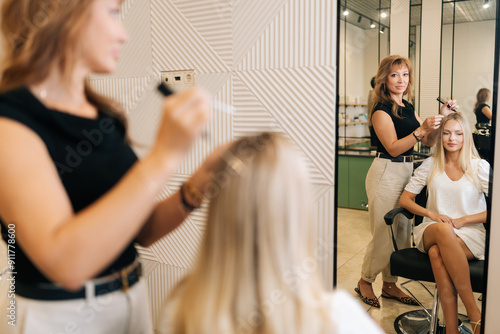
{"x":401,"y":158}
{"x":122,"y":280}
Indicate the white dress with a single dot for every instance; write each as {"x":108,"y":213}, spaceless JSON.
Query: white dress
{"x":346,"y":313}
{"x":454,"y":199}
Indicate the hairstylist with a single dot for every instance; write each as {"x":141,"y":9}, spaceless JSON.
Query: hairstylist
{"x":397,"y":129}
{"x":72,"y":189}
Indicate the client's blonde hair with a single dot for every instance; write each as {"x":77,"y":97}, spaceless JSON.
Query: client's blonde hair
{"x":256,"y":272}
{"x":467,"y":153}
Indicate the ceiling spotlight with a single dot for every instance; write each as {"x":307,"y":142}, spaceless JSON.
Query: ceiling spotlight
{"x":486,"y":4}
{"x":383,"y":15}
{"x":359,"y":19}
{"x":382,"y":30}
{"x":372,"y":25}
{"x":346,"y":12}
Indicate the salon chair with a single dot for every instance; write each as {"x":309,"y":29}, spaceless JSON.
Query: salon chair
{"x":414,"y":265}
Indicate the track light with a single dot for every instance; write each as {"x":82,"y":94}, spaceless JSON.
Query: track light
{"x":346,"y":12}
{"x":382,"y":30}
{"x":372,"y":25}
{"x":486,"y":4}
{"x":383,"y":15}
{"x":359,"y":19}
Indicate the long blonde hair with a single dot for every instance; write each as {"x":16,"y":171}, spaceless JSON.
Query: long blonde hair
{"x":467,"y":153}
{"x":256,"y":272}
{"x":482,"y":96}
{"x":38,"y":35}
{"x":380,"y":93}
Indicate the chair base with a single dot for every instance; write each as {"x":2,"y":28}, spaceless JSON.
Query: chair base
{"x":418,"y":322}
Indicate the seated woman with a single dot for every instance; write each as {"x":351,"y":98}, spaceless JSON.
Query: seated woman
{"x":257,"y":271}
{"x":452,"y":232}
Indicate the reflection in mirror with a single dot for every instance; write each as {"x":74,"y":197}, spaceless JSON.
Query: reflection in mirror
{"x":364,"y":40}
{"x":467,"y":57}
{"x":414,"y":46}
{"x":467,"y":44}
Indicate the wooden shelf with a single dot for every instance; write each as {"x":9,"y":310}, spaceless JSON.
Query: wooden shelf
{"x":353,"y":123}
{"x":352,"y":104}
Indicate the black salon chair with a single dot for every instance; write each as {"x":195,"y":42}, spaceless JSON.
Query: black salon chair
{"x":414,"y":265}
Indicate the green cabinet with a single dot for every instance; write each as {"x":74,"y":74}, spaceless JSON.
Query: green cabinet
{"x":351,"y":181}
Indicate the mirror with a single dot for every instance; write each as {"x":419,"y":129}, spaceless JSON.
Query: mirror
{"x":467,"y":57}
{"x":467,"y":60}
{"x":364,"y":40}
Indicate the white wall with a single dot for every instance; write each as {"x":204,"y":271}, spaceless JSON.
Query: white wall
{"x":473,"y":63}
{"x":361,"y":64}
{"x":273,"y":60}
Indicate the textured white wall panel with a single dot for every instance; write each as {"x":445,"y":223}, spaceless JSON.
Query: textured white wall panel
{"x":430,"y":50}
{"x":272,"y":60}
{"x":303,"y":108}
{"x":324,"y":249}
{"x":400,"y":27}
{"x":250,"y":20}
{"x":161,"y":280}
{"x":178,"y":45}
{"x":301,"y":35}
{"x":212,"y":19}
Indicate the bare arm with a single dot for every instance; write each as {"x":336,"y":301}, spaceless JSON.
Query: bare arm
{"x":70,"y":248}
{"x":169,"y":213}
{"x":386,"y":132}
{"x":478,"y":218}
{"x":407,"y":201}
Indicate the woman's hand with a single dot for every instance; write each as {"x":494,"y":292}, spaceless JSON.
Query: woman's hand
{"x":184,"y":115}
{"x":448,"y":107}
{"x":459,"y":222}
{"x":206,"y":173}
{"x":431,"y":123}
{"x":440,"y":218}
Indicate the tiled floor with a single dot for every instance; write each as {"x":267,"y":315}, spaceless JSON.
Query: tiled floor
{"x":353,"y":236}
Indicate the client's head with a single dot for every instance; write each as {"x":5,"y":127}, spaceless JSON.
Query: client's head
{"x":256,"y":266}
{"x":455,"y":135}
{"x":261,"y":207}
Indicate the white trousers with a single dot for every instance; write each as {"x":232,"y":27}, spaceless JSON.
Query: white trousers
{"x":385,"y":181}
{"x":114,"y":313}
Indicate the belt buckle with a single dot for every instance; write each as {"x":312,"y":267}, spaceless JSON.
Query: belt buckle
{"x":125,"y":284}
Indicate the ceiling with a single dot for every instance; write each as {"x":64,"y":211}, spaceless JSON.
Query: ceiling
{"x":369,"y":10}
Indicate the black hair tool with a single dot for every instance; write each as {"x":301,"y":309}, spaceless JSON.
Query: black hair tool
{"x":447,"y":105}
{"x":165,"y":90}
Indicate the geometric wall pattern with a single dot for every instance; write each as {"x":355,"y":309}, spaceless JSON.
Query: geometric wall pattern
{"x":274,"y":61}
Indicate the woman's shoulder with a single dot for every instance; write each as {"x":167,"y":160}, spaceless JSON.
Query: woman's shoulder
{"x":480,"y":165}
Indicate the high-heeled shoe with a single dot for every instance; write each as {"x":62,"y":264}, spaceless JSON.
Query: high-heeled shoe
{"x":367,"y":300}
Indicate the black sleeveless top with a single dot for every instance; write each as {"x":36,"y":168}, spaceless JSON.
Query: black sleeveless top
{"x":91,"y":156}
{"x":480,"y":117}
{"x":404,"y":126}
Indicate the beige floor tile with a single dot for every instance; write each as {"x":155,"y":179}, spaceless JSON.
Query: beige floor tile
{"x":353,"y":234}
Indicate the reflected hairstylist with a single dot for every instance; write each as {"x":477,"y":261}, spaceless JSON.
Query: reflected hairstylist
{"x":397,"y":128}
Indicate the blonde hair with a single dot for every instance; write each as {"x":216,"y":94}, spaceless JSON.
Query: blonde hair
{"x":259,"y":233}
{"x":380,"y":93}
{"x":39,"y":35}
{"x":467,"y":153}
{"x":482,"y":96}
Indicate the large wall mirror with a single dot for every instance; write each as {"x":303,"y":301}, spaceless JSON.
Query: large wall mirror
{"x":464,"y":32}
